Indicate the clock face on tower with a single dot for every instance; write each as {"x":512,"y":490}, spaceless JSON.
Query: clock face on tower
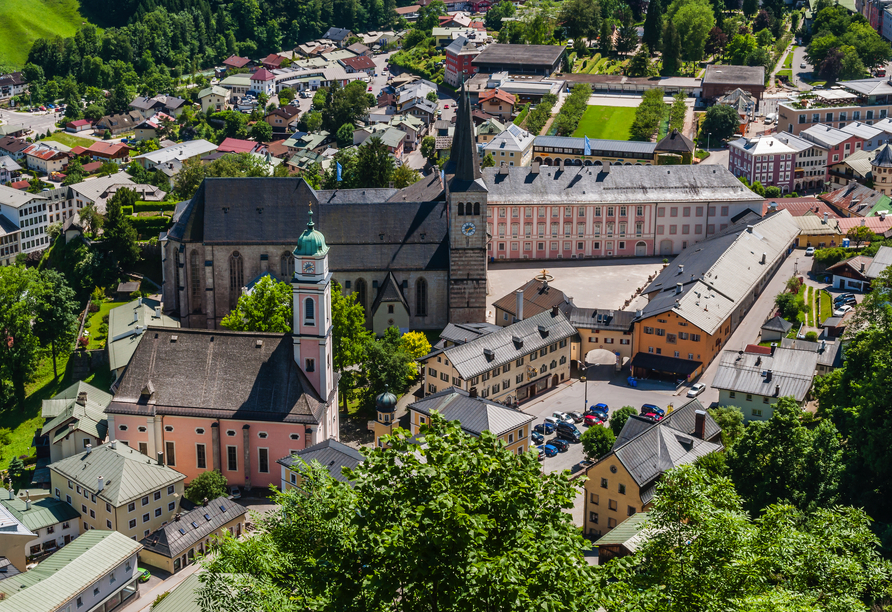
{"x":309,"y":267}
{"x":468,"y":229}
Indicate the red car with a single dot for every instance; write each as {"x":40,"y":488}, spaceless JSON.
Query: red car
{"x":593,"y":419}
{"x":445,"y":106}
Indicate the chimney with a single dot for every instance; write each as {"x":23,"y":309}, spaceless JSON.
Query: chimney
{"x":823,"y":346}
{"x":764,"y":258}
{"x":113,"y":444}
{"x":81,"y":398}
{"x":135,"y":316}
{"x":204,"y":502}
{"x":678,"y":288}
{"x":10,"y":493}
{"x":27,"y":504}
{"x":700,"y":423}
{"x":157,"y":312}
{"x":518,"y":296}
{"x":534,"y":168}
{"x":749,"y":229}
{"x":863,"y":222}
{"x":472,"y":392}
{"x":768,"y":375}
{"x":862,"y":267}
{"x":100,"y":485}
{"x":759,"y":360}
{"x":160,"y":458}
{"x":638,"y":314}
{"x":826,"y":217}
{"x":680,"y":269}
{"x":89,"y":448}
{"x":554,"y":311}
{"x":773,"y":347}
{"x":776,"y":390}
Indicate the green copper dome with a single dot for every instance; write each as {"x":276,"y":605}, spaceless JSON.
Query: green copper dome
{"x":311,"y":242}
{"x":386,"y":402}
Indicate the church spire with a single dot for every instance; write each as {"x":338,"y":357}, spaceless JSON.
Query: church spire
{"x":464,"y":162}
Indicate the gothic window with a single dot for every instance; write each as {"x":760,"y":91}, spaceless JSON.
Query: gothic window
{"x":360,"y":292}
{"x":236,"y":277}
{"x":461,"y":209}
{"x":476,"y":208}
{"x":286,"y":265}
{"x":309,"y":310}
{"x":194,"y":278}
{"x":420,"y":297}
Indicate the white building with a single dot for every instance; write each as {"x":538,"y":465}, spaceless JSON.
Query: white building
{"x":53,"y":522}
{"x":28,"y":212}
{"x":177,"y":153}
{"x":264,"y":81}
{"x":781,"y":160}
{"x":513,"y":147}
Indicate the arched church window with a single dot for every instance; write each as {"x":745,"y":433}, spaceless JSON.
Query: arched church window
{"x":309,"y":310}
{"x":420,"y":297}
{"x":461,"y":209}
{"x":236,"y":277}
{"x":476,"y":208}
{"x":194,"y":277}
{"x":360,"y":292}
{"x":286,"y":265}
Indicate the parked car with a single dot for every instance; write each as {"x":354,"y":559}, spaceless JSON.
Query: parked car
{"x":803,"y":65}
{"x":568,"y":435}
{"x":652,"y":408}
{"x":650,"y":416}
{"x":576,"y":416}
{"x":234,"y":493}
{"x":541,"y":450}
{"x":809,"y":251}
{"x":144,"y":574}
{"x":770,"y":117}
{"x":550,"y":451}
{"x":562,"y":445}
{"x":842,"y":310}
{"x":562,"y":416}
{"x":594,"y":418}
{"x":851,"y":301}
{"x":446,"y":106}
{"x":602,"y":408}
{"x":544,"y":428}
{"x":553,"y":421}
{"x":696,"y":390}
{"x":844,"y":297}
{"x":537,"y":438}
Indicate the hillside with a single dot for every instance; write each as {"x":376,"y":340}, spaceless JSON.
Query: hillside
{"x":22,"y":21}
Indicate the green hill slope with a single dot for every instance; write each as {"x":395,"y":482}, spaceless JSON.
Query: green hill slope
{"x":22,"y":21}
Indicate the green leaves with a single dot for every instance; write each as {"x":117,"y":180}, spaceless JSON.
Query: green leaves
{"x":597,"y":441}
{"x":267,"y":308}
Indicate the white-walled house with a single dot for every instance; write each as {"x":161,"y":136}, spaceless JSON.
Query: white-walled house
{"x":54,"y":522}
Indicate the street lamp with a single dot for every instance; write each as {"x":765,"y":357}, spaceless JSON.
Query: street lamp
{"x":708,"y":134}
{"x":585,"y":386}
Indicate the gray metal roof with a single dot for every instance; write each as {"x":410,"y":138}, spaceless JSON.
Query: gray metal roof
{"x":15,"y":198}
{"x":627,"y":534}
{"x":879,"y":86}
{"x":192,"y":527}
{"x":881,"y":261}
{"x":721,"y":271}
{"x":42,"y":512}
{"x":55,"y":406}
{"x":829,"y":353}
{"x":621,"y":185}
{"x":543,"y":55}
{"x":474,"y":414}
{"x":777,"y":324}
{"x":469,"y":359}
{"x":791,"y":373}
{"x":734,"y":75}
{"x":68,"y":572}
{"x":128,"y":474}
{"x":127,"y":324}
{"x":459,"y":333}
{"x":183,"y":598}
{"x":600,"y":318}
{"x":331,"y":454}
{"x":621,"y":147}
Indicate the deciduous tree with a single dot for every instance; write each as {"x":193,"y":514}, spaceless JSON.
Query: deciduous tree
{"x":208,"y":485}
{"x":266,"y":308}
{"x":55,"y":314}
{"x":618,"y":419}
{"x":118,"y":231}
{"x":721,"y":123}
{"x":20,"y":292}
{"x":597,"y":441}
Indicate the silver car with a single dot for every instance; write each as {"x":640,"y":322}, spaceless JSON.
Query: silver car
{"x":696,"y":390}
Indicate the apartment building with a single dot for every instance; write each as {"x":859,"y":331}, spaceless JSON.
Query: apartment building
{"x":863,"y":100}
{"x":53,"y":523}
{"x":115,"y":487}
{"x":27,"y":212}
{"x":781,"y":160}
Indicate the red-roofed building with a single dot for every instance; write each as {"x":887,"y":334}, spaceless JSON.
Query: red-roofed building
{"x":497,"y":102}
{"x":45,"y":159}
{"x":20,"y":185}
{"x":78,"y":151}
{"x":798,"y":206}
{"x":755,"y":349}
{"x":880,"y":225}
{"x":235,"y":145}
{"x":92,"y":167}
{"x":114,"y":152}
{"x":360,"y":63}
{"x":263,"y":81}
{"x":273,"y":61}
{"x":234,"y":61}
{"x":480,"y":6}
{"x":80,"y":125}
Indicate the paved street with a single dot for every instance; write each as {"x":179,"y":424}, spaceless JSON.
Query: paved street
{"x":798,"y":60}
{"x":39,"y":122}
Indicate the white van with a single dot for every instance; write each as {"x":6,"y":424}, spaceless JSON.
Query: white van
{"x":770,"y":117}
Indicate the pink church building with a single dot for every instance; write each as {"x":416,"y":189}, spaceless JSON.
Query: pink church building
{"x":236,"y":401}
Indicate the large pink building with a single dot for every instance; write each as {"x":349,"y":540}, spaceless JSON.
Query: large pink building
{"x":236,"y":401}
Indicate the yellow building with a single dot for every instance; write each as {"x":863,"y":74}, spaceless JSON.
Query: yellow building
{"x":623,"y":482}
{"x":117,"y":488}
{"x":385,"y":416}
{"x":331,"y":454}
{"x":510,"y":364}
{"x":607,"y":331}
{"x":475,"y":415}
{"x":191,"y":535}
{"x":818,"y":232}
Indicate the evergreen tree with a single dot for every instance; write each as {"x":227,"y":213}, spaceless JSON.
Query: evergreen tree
{"x":671,"y":50}
{"x":653,"y":26}
{"x":119,"y":233}
{"x":605,"y":39}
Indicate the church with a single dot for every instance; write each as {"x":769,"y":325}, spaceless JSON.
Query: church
{"x":417,"y":257}
{"x":202,"y":399}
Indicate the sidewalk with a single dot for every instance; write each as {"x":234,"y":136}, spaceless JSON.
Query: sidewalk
{"x":145,"y":600}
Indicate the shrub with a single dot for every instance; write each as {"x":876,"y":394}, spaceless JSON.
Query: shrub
{"x":143,"y":206}
{"x":210,"y":485}
{"x":811,"y":336}
{"x":127,"y":211}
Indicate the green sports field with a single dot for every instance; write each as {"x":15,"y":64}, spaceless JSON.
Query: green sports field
{"x":607,"y":122}
{"x":23,"y":21}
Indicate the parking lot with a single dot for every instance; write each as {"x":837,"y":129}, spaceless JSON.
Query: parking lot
{"x":591,"y":284}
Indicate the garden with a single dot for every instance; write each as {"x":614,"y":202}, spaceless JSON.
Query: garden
{"x":607,"y":122}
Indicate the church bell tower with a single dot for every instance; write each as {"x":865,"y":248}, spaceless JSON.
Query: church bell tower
{"x":312,"y":325}
{"x":466,"y":195}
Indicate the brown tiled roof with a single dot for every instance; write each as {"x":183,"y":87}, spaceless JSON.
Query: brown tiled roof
{"x":497,"y":94}
{"x":538,"y":296}
{"x":800,"y":206}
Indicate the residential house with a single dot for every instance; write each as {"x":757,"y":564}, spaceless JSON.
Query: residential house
{"x":625,"y":539}
{"x":151,"y":128}
{"x":745,"y":105}
{"x":171,"y":105}
{"x":497,"y":102}
{"x":390,"y":137}
{"x":46,"y":159}
{"x":755,"y":382}
{"x":126,"y":325}
{"x":858,"y":272}
{"x":422,"y":108}
{"x":79,"y":125}
{"x":75,"y":420}
{"x":214,"y":99}
{"x":263,"y":81}
{"x":489,"y":129}
{"x":719,"y":81}
{"x":236,"y":84}
{"x":13,"y":147}
{"x":27,"y":212}
{"x":9,"y":169}
{"x":413,"y":127}
{"x":538,"y":348}
{"x":176,"y":545}
{"x":97,"y":572}
{"x":114,"y":152}
{"x":605,"y":331}
{"x":273,"y":61}
{"x":695,"y":304}
{"x":12,"y":84}
{"x":14,"y":536}
{"x":235,"y":145}
{"x":839,"y":144}
{"x":475,"y":415}
{"x":871,"y":136}
{"x":53,"y":523}
{"x":880,"y":224}
{"x":829,"y":353}
{"x":360,"y":49}
{"x":63,"y":202}
{"x":855,"y":200}
{"x":116,"y":487}
{"x":818,"y":232}
{"x":625,"y":479}
{"x":17,"y":131}
{"x":358,"y":63}
{"x":303,"y":141}
{"x":775,"y":328}
{"x":338,"y":35}
{"x":234,"y":61}
{"x":283,"y":120}
{"x":530,"y":299}
{"x":118,"y":124}
{"x":305,"y":159}
{"x":460,"y":55}
{"x":177,"y":153}
{"x":513,"y":147}
{"x":330,"y":454}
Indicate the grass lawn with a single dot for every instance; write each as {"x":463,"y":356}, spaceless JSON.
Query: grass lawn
{"x":608,"y":122}
{"x":826,"y":306}
{"x":788,"y":61}
{"x":97,"y":340}
{"x":23,"y":21}
{"x":70,"y":140}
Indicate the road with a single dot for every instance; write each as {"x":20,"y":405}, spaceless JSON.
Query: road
{"x":40,"y":122}
{"x":798,"y":60}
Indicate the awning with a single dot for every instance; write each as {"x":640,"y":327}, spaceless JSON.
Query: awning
{"x":661,"y":363}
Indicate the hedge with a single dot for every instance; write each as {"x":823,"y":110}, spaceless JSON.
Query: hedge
{"x":150,"y":225}
{"x":522,"y":115}
{"x":127,"y":210}
{"x":143,"y":206}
